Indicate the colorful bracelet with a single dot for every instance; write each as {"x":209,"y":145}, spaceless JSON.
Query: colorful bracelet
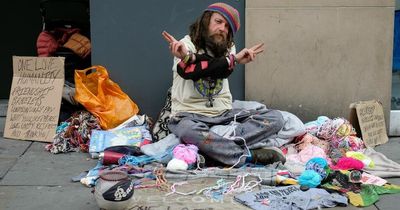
{"x":188,"y":57}
{"x":232,"y":61}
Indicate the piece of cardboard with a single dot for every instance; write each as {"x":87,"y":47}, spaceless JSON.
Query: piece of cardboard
{"x":369,"y":121}
{"x":35,"y":98}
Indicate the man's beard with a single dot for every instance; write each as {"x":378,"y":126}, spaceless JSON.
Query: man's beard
{"x":217,"y":44}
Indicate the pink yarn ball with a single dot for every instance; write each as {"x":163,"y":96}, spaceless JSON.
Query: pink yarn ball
{"x":187,"y":153}
{"x":348,"y":163}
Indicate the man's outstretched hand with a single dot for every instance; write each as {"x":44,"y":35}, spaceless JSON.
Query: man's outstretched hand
{"x":249,"y":54}
{"x":176,"y":47}
{"x":179,"y":50}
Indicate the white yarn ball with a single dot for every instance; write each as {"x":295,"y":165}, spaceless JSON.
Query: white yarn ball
{"x":177,"y":164}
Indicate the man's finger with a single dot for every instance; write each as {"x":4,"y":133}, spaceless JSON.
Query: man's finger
{"x":258,"y":46}
{"x":165,"y":36}
{"x":174,"y":47}
{"x":168,"y":36}
{"x":258,"y":51}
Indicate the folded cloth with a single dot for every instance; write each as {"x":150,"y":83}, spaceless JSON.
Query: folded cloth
{"x":161,"y":146}
{"x":384,"y":167}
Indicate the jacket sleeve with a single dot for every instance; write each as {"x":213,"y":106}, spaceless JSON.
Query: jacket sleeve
{"x":206,"y":66}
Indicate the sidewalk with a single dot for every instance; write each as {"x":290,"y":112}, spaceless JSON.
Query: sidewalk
{"x":32,"y":178}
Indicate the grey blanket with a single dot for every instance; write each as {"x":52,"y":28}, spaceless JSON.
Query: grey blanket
{"x":250,"y":127}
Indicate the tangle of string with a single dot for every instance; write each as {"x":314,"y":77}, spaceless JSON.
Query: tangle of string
{"x":222,"y":187}
{"x":173,"y":189}
{"x":244,"y":140}
{"x":161,"y":181}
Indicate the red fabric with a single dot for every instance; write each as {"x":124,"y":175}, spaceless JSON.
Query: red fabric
{"x":204,"y":65}
{"x":145,"y":141}
{"x":182,"y":65}
{"x":190,"y":68}
{"x":48,"y":41}
{"x":46,"y":44}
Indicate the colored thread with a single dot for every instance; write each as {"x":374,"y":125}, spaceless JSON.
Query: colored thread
{"x":244,"y":140}
{"x":309,"y":178}
{"x":135,"y":160}
{"x":187,"y":153}
{"x":161,"y":181}
{"x":173,"y":189}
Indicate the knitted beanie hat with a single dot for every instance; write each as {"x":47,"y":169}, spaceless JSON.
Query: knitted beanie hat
{"x":229,"y":13}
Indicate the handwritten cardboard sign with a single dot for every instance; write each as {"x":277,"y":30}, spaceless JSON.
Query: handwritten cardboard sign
{"x":369,"y":121}
{"x":35,"y":98}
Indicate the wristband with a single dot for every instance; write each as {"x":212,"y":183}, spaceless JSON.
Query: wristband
{"x":187,"y":57}
{"x":232,"y":61}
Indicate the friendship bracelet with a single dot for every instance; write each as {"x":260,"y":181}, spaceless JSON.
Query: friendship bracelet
{"x":188,"y":57}
{"x":232,"y":61}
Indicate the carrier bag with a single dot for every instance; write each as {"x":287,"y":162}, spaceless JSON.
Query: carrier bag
{"x":102,"y":97}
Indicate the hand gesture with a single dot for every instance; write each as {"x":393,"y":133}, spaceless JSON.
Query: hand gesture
{"x":248,"y":55}
{"x":177,"y":48}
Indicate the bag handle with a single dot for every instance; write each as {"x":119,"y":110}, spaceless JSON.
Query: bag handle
{"x":99,"y":69}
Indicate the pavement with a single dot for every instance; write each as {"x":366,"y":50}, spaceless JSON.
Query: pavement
{"x":32,"y":178}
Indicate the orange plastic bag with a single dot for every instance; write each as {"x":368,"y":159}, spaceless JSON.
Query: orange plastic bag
{"x":102,"y":97}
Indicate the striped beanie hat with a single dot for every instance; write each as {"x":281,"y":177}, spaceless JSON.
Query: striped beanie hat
{"x":229,"y":13}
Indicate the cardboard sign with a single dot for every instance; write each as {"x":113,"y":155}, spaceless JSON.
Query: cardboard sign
{"x":35,"y":98}
{"x":369,"y":121}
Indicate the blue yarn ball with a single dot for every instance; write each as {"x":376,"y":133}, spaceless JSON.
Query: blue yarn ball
{"x":318,"y":160}
{"x":309,"y":178}
{"x":319,"y":165}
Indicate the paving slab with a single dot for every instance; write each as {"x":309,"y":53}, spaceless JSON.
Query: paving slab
{"x":10,"y":151}
{"x":155,"y":199}
{"x":71,"y":197}
{"x":390,"y":149}
{"x":388,"y":202}
{"x":41,"y":168}
{"x":2,"y":125}
{"x":13,"y":147}
{"x":6,"y":163}
{"x":351,"y":207}
{"x":3,"y":107}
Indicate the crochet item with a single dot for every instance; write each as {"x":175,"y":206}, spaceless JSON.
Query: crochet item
{"x":347,"y":163}
{"x":363,"y":158}
{"x":319,"y":165}
{"x":310,"y":178}
{"x":177,"y":164}
{"x":186,"y":153}
{"x":230,"y":14}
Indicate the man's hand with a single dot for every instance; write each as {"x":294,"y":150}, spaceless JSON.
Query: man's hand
{"x":177,"y":48}
{"x":249,"y":54}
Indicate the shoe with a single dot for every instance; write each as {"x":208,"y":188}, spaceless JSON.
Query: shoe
{"x":267,"y":155}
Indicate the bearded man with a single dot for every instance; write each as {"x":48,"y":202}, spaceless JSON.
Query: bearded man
{"x":201,"y":101}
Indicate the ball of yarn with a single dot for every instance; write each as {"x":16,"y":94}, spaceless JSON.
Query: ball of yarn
{"x":187,"y":153}
{"x":368,"y":162}
{"x":309,"y":178}
{"x":177,"y":164}
{"x":319,"y":165}
{"x":348,"y":163}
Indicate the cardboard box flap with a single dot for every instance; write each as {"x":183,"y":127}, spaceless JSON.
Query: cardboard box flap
{"x":35,"y":98}
{"x":369,"y":121}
